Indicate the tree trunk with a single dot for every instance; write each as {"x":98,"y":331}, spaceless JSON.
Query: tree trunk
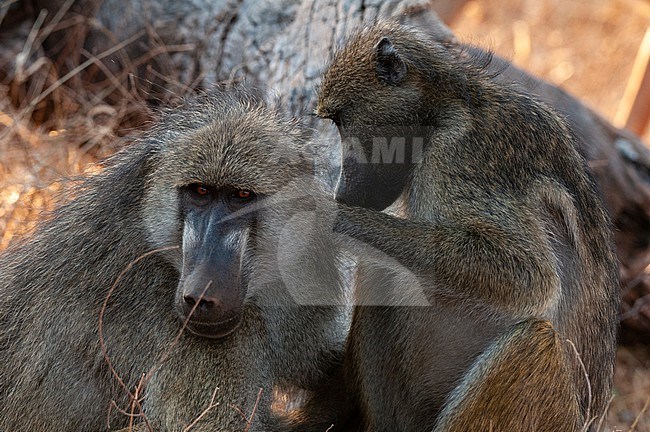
{"x":284,"y":46}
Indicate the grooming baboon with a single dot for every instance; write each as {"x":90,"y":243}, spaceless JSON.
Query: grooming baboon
{"x":249,"y":248}
{"x":499,"y":218}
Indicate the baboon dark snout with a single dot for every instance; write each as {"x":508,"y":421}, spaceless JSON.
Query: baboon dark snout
{"x":204,"y":303}
{"x":373,"y":186}
{"x":210,"y":302}
{"x":210,"y":295}
{"x":200,"y":307}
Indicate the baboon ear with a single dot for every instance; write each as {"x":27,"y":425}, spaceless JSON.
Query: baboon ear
{"x":390,"y":67}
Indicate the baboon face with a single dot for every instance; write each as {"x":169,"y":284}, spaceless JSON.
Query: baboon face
{"x":370,"y":96}
{"x":207,"y":195}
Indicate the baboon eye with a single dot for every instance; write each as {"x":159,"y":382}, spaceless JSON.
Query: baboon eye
{"x":199,"y":189}
{"x":243,"y":195}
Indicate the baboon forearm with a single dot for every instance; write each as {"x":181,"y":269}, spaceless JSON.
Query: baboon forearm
{"x":473,"y":264}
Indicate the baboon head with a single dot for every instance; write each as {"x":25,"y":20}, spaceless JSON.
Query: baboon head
{"x":218,"y":162}
{"x":376,"y":91}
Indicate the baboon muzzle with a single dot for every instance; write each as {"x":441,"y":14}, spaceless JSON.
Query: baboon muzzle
{"x":372,"y":186}
{"x":376,"y":164}
{"x":210,"y":295}
{"x":210,"y":301}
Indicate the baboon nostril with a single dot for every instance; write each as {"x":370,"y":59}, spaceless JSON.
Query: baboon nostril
{"x":189,"y":300}
{"x":206,"y":304}
{"x":203,"y":303}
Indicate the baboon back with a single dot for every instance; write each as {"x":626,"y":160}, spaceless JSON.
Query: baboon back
{"x":498,"y":216}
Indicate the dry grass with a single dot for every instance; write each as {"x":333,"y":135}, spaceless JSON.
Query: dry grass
{"x":62,"y":107}
{"x":587,"y":47}
{"x":56,"y":118}
{"x":52,"y":127}
{"x":631,"y":390}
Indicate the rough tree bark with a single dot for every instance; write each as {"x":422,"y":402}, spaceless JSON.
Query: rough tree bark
{"x":284,"y":45}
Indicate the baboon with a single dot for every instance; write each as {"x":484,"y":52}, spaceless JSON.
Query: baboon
{"x":486,"y":199}
{"x":241,"y":257}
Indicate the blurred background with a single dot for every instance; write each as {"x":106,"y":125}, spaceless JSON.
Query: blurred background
{"x":60,"y":114}
{"x":588,"y":47}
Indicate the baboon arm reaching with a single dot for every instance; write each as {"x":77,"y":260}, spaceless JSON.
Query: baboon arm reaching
{"x":476,"y":260}
{"x":529,"y":360}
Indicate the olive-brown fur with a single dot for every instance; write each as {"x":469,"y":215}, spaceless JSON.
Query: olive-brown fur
{"x":501,"y":221}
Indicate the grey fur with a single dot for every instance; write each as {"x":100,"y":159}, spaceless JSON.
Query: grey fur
{"x":53,"y":375}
